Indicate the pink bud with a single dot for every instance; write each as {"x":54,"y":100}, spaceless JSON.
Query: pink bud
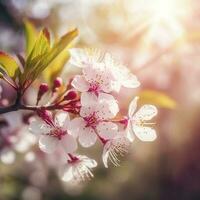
{"x":43,"y":88}
{"x":57,"y":82}
{"x":71,"y":95}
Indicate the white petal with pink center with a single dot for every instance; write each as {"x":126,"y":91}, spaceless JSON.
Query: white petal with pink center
{"x":86,"y":134}
{"x":99,"y":78}
{"x":137,"y":121}
{"x":78,"y":169}
{"x":100,"y":72}
{"x":121,"y":73}
{"x":94,"y":119}
{"x":56,"y":135}
{"x":115,"y":147}
{"x":80,"y":83}
{"x":104,"y":106}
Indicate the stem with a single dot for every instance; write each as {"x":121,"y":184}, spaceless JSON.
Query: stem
{"x":30,"y":108}
{"x":9,"y":83}
{"x":18,"y":106}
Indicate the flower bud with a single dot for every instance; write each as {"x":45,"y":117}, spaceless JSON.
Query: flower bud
{"x":57,"y":82}
{"x":42,"y":90}
{"x":71,"y":95}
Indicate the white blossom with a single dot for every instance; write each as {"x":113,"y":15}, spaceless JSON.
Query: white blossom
{"x":93,"y":122}
{"x":101,"y":73}
{"x":78,"y":168}
{"x":54,"y":134}
{"x":137,"y":121}
{"x":115,"y":147}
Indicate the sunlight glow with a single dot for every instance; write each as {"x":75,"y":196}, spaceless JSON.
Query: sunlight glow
{"x":165,"y":18}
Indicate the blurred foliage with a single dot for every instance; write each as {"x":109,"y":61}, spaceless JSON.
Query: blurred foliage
{"x":157,"y":98}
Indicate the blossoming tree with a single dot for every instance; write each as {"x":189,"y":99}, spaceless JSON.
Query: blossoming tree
{"x":82,"y":110}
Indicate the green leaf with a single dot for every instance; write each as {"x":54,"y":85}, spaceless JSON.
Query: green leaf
{"x":8,"y":64}
{"x":56,"y":66}
{"x":61,"y":45}
{"x":41,"y":46}
{"x":40,"y":49}
{"x":157,"y":98}
{"x":42,"y":55}
{"x":30,"y":35}
{"x":56,"y":50}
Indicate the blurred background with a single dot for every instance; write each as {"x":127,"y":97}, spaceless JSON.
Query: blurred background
{"x":159,"y":40}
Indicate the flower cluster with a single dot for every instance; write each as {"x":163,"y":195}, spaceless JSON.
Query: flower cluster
{"x":90,"y":113}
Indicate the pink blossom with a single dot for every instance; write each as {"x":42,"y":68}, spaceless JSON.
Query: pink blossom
{"x":94,"y":121}
{"x":101,"y":73}
{"x":54,"y":133}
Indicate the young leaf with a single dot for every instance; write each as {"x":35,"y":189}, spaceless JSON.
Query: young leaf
{"x":40,"y":49}
{"x":42,"y":55}
{"x":58,"y":47}
{"x":56,"y":66}
{"x":8,"y":64}
{"x":41,"y":46}
{"x":30,"y":35}
{"x":56,"y":50}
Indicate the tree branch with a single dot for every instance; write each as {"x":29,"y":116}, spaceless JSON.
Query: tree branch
{"x":18,"y":106}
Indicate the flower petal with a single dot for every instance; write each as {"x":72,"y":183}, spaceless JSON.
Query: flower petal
{"x":36,"y":127}
{"x":62,"y":118}
{"x":132,"y":107}
{"x":69,"y":143}
{"x":106,"y":97}
{"x":78,"y":57}
{"x":107,"y":109}
{"x":94,"y":73}
{"x":88,"y":98}
{"x":75,"y":125}
{"x":105,"y":154}
{"x":66,"y":172}
{"x":80,"y":83}
{"x":145,"y":134}
{"x":107,"y":130}
{"x":90,"y":163}
{"x":116,"y":86}
{"x":129,"y":132}
{"x":47,"y":143}
{"x":130,"y":81}
{"x":146,"y":112}
{"x":87,"y":137}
